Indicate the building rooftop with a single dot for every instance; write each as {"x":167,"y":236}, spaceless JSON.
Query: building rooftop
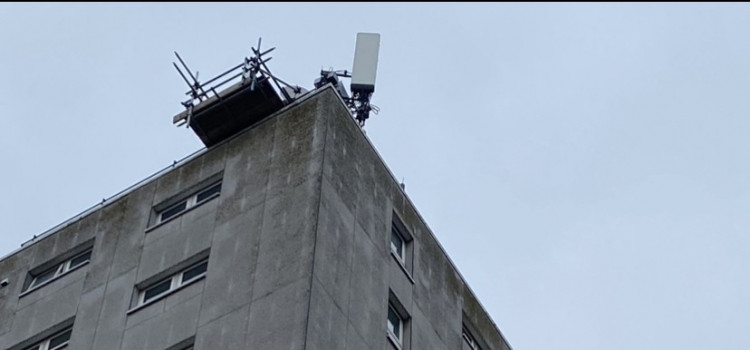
{"x":294,"y":225}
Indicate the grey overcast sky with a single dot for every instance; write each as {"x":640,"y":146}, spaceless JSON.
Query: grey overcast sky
{"x":584,"y":165}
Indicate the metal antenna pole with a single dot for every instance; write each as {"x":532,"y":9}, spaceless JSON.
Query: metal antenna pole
{"x":197,"y":85}
{"x":254,"y":67}
{"x":186,"y":80}
{"x":263,"y":68}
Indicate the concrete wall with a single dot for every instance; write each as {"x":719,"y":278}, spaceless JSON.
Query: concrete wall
{"x":354,"y":271}
{"x":259,"y":235}
{"x":297,"y":247}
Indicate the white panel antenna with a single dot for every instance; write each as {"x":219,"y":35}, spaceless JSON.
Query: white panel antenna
{"x":363,"y":75}
{"x":365,"y":65}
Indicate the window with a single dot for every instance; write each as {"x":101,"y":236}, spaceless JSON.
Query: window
{"x":470,"y":339}
{"x":395,"y":325}
{"x":172,"y":283}
{"x":194,"y":200}
{"x":186,"y":344}
{"x":55,"y":342}
{"x":397,"y":244}
{"x":469,"y":334}
{"x":401,"y":245}
{"x":49,"y":275}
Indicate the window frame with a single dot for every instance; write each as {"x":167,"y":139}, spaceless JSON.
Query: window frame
{"x":190,"y":202}
{"x":45,"y":344}
{"x":402,"y":340}
{"x":187,"y":344}
{"x":400,"y":254}
{"x":470,"y":338}
{"x":404,"y":258}
{"x":176,"y":283}
{"x":470,"y":334}
{"x":398,"y":338}
{"x":57,"y":270}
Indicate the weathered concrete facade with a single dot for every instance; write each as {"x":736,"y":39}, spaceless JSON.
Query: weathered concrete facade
{"x":298,"y":249}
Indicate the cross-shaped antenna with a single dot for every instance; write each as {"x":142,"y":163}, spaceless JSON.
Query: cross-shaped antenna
{"x":195,"y":87}
{"x":253,"y":67}
{"x":263,"y":68}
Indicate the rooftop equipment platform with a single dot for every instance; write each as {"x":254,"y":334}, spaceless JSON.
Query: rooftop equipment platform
{"x":231,"y":110}
{"x":215,"y":116}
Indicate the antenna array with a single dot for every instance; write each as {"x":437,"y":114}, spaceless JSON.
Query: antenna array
{"x":253,"y":68}
{"x":362,"y":77}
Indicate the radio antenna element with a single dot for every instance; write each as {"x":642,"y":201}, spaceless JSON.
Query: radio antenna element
{"x":364,"y":71}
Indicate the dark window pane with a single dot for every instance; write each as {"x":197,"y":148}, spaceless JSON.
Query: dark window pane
{"x":208,"y":193}
{"x":178,"y":208}
{"x":394,"y":323}
{"x":77,"y":261}
{"x":194,"y":271}
{"x":157,"y":290}
{"x":44,"y":277}
{"x":60,"y":341}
